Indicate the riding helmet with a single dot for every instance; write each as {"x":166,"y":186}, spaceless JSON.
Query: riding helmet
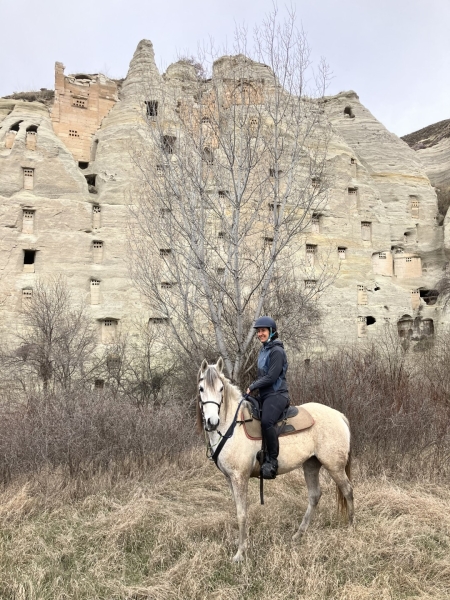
{"x":265,"y":322}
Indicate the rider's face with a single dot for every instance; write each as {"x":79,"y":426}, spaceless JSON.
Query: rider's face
{"x":262,"y":333}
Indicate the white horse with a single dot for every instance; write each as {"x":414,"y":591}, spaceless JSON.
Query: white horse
{"x":326,"y":443}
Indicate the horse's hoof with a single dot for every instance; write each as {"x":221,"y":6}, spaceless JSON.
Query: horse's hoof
{"x":238,"y":557}
{"x":297,"y":536}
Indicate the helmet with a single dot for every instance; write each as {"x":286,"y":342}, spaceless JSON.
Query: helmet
{"x":265,"y":322}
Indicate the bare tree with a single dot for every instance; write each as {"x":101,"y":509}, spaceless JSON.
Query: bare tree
{"x":137,"y":366}
{"x":57,"y":340}
{"x":232,"y":173}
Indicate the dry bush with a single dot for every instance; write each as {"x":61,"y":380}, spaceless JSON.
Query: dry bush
{"x":396,"y":400}
{"x":43,"y":95}
{"x":84,"y":433}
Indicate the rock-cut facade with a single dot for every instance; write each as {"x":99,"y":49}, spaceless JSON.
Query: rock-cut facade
{"x":65,"y":180}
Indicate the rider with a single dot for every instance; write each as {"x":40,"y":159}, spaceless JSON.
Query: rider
{"x":273,"y":390}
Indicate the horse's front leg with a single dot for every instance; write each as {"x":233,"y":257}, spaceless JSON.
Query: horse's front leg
{"x":239,"y":486}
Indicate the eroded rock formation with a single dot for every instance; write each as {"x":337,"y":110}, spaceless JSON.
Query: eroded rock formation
{"x":64,"y":205}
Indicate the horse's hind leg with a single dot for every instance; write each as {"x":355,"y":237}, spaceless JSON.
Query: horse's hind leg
{"x":311,"y":469}
{"x":239,"y":487}
{"x":345,"y":492}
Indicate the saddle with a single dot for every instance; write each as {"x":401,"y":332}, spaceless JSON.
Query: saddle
{"x":293,"y":420}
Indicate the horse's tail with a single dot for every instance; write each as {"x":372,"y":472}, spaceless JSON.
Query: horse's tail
{"x":341,"y":501}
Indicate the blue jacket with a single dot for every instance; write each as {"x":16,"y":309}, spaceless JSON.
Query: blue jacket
{"x":272,"y":367}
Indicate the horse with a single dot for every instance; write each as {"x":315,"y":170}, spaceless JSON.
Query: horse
{"x":325,"y":444}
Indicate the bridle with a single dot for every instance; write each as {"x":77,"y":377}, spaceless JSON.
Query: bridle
{"x":202,"y":403}
{"x":213,"y":451}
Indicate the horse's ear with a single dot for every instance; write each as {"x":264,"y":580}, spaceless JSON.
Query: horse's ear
{"x":219,"y":365}
{"x":204,"y":365}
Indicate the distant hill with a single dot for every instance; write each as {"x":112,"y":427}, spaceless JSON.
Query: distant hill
{"x":432,"y":144}
{"x":428,"y":136}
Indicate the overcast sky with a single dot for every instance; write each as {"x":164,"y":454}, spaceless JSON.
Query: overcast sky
{"x":394,"y":53}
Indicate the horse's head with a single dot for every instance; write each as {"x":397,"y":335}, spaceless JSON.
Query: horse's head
{"x":211,"y":394}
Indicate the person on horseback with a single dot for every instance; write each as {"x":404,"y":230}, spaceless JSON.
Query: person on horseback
{"x":273,"y":390}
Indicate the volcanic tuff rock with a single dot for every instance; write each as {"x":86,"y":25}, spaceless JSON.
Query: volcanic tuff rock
{"x":432,"y":146}
{"x":378,"y":228}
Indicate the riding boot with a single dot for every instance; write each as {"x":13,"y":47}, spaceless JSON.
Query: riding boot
{"x":270,"y":466}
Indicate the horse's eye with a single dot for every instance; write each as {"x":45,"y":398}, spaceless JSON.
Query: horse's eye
{"x":201,"y":388}
{"x":221,"y":389}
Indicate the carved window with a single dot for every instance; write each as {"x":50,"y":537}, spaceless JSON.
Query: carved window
{"x":310,"y":254}
{"x":28,"y":221}
{"x":414,"y":207}
{"x":164,"y":252}
{"x":166,"y":285}
{"x":29,"y":257}
{"x":207,"y":156}
{"x":168,"y":143}
{"x":73,"y":133}
{"x":352,"y":191}
{"x":97,"y":247}
{"x":27,"y":296}
{"x":158,"y":321}
{"x":109,"y":328}
{"x":151,"y":108}
{"x":28,"y":179}
{"x":362,"y":295}
{"x":96,"y":216}
{"x":348,"y":112}
{"x":310,"y":284}
{"x":415,"y":298}
{"x":91,"y":182}
{"x":159,"y":170}
{"x":366,"y":231}
{"x":95,"y":291}
{"x":315,"y":182}
{"x":342,"y":253}
{"x":31,"y":137}
{"x":362,"y":326}
{"x":79,"y":102}
{"x":315,"y":223}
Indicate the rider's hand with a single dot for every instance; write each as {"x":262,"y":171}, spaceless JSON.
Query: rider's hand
{"x":248,"y":391}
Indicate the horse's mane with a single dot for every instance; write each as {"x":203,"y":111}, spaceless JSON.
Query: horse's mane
{"x":230,"y":392}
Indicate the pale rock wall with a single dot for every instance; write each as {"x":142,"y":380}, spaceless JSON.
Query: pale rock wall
{"x":362,"y":155}
{"x":387,"y":172}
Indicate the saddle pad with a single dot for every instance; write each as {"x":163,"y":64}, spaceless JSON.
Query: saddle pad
{"x":252,"y":427}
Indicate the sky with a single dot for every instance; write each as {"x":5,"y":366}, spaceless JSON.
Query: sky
{"x":395,"y":54}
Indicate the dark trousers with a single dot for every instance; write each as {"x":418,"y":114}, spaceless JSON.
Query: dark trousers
{"x":272,"y":409}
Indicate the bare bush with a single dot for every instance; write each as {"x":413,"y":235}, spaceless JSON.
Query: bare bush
{"x":56,"y":341}
{"x":87,"y":433}
{"x":396,"y":404}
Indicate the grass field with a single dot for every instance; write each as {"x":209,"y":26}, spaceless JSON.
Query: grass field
{"x":170,"y":534}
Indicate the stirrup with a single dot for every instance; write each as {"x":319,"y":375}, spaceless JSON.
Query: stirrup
{"x":269,"y":470}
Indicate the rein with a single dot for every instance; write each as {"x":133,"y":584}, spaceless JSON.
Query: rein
{"x":228,"y":434}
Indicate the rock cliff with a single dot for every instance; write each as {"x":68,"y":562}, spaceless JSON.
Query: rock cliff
{"x":60,"y":214}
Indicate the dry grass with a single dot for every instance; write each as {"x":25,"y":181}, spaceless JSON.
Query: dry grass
{"x":170,"y":535}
